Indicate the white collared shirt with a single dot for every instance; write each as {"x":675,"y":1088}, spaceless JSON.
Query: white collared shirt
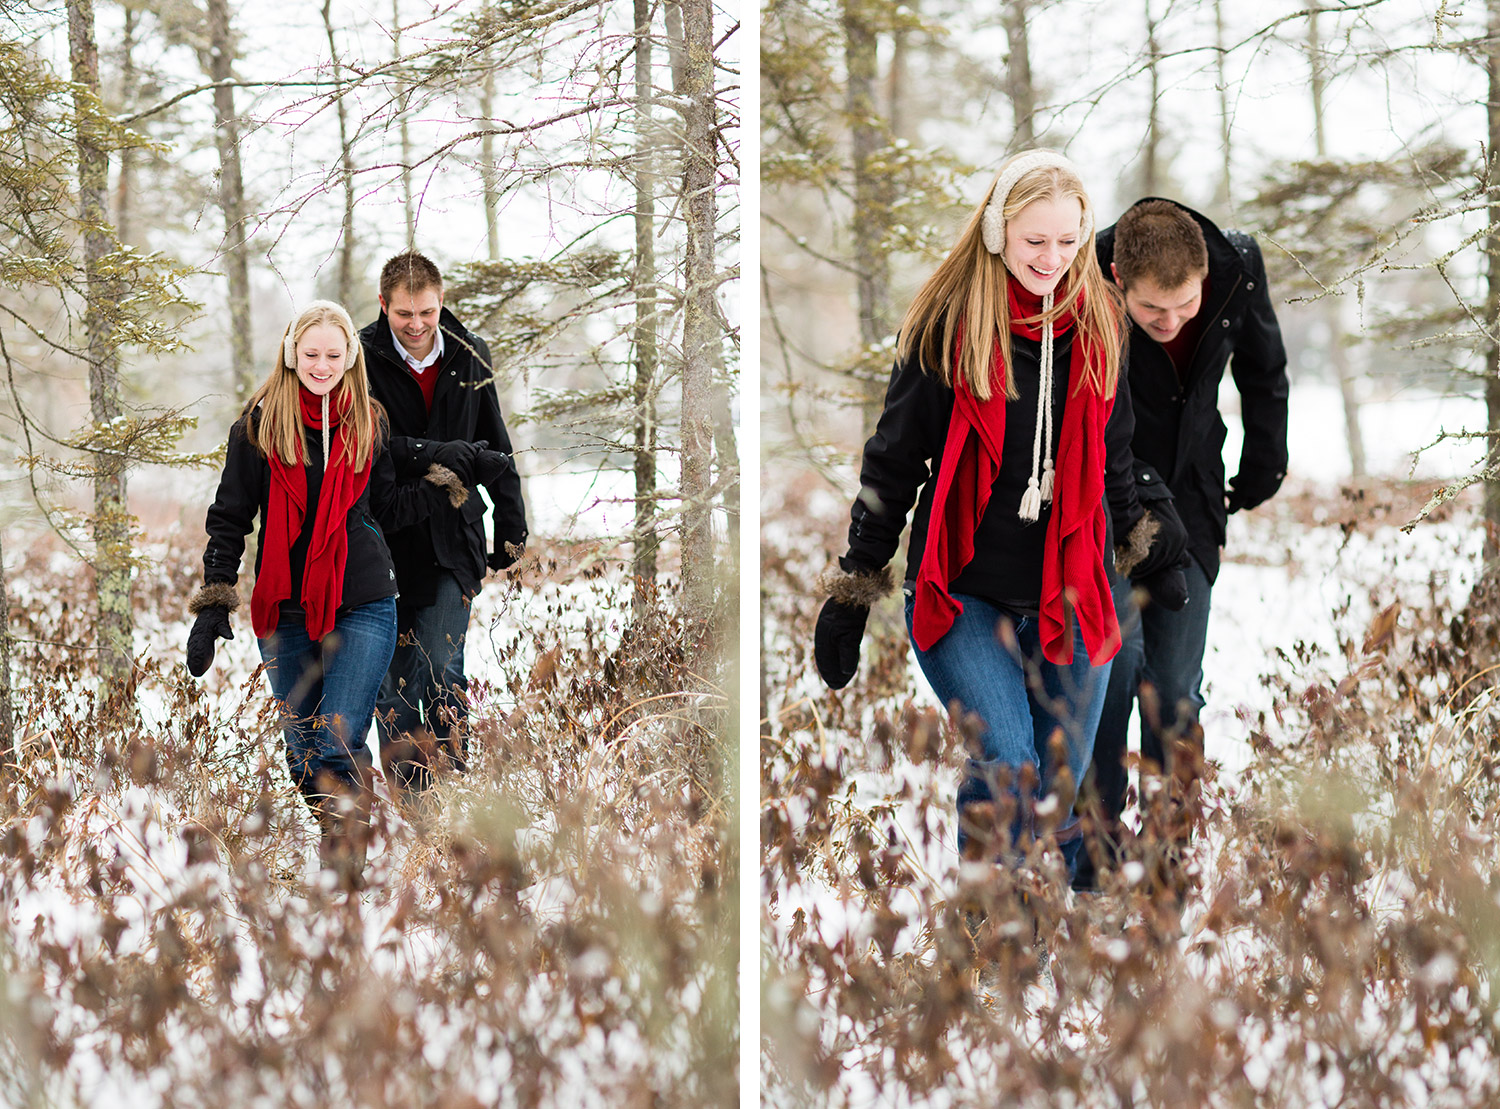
{"x":432,"y":355}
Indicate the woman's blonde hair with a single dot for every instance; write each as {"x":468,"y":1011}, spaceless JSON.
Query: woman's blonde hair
{"x":968,"y":292}
{"x":280,"y":429}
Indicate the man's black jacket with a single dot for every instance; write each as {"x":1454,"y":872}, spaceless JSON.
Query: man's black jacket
{"x":464,"y":406}
{"x":1178,"y":428}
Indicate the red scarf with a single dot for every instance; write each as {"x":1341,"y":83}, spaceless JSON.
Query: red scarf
{"x":328,"y":550}
{"x":1073,"y":576}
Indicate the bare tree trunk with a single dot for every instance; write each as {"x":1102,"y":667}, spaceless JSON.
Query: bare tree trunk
{"x":346,"y":233}
{"x":872,"y":194}
{"x":7,"y":696}
{"x":700,"y":327}
{"x":402,"y":99}
{"x":102,"y":291}
{"x":896,"y":90}
{"x":1018,"y":84}
{"x":1149,"y":170}
{"x":727,"y":462}
{"x":125,"y":179}
{"x":1333,"y":319}
{"x":222,"y":51}
{"x":1492,"y":292}
{"x":643,"y":563}
{"x":1225,"y":191}
{"x":489,"y":178}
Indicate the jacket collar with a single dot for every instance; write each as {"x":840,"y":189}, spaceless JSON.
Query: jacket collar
{"x":458,"y":342}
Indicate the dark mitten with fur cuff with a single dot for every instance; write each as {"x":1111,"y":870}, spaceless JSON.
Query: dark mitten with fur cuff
{"x":841,"y":623}
{"x":211,"y":605}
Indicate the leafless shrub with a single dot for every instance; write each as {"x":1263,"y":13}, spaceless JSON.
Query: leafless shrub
{"x":1332,"y":938}
{"x":562,"y":934}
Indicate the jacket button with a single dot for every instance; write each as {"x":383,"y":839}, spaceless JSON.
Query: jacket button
{"x":1249,"y":285}
{"x":1223,"y":323}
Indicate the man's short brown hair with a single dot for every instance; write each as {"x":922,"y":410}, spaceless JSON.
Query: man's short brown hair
{"x":1159,"y":241}
{"x":411,"y":271}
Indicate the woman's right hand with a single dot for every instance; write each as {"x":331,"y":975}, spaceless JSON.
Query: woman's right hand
{"x":836,"y":641}
{"x":212,"y":623}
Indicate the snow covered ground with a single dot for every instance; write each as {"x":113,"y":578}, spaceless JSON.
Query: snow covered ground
{"x":1294,"y":584}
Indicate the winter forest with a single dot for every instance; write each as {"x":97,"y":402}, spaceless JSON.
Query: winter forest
{"x":179,"y":180}
{"x":573,"y":919}
{"x":1330,"y":939}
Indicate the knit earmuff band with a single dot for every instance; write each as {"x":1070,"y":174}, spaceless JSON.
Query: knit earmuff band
{"x":289,"y":341}
{"x":992,"y":224}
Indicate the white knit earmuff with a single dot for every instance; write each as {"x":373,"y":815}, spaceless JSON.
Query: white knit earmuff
{"x":992,"y":223}
{"x":289,"y":341}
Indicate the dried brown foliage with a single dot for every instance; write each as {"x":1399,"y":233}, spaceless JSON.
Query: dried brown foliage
{"x":1332,"y":937}
{"x":564,"y":933}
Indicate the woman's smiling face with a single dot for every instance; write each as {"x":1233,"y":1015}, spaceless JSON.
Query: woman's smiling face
{"x":322,"y":353}
{"x":1041,"y":241}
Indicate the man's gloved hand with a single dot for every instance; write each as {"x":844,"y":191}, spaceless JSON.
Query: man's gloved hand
{"x":506,"y":552}
{"x":1252,"y":486}
{"x":1156,"y":543}
{"x":489,"y":466}
{"x":458,"y":455}
{"x":836,"y":640}
{"x":1166,"y":587}
{"x":212,"y":623}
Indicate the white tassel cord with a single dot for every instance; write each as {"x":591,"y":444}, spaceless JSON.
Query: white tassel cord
{"x":1039,"y":487}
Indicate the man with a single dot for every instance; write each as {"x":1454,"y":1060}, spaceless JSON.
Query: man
{"x":1198,"y":302}
{"x":436,"y":382}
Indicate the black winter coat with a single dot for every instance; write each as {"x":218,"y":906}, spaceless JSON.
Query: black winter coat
{"x":245,"y":491}
{"x":901,"y":462}
{"x":1178,"y":427}
{"x":464,"y":406}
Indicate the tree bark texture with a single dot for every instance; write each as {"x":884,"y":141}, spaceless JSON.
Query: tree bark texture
{"x":1492,"y":293}
{"x":490,"y":174}
{"x":872,"y":190}
{"x":700,"y":325}
{"x":644,"y":337}
{"x":868,"y":137}
{"x":1225,"y":192}
{"x":7,"y":695}
{"x":1150,"y":172}
{"x":403,"y":97}
{"x":1018,"y":84}
{"x":125,"y":179}
{"x":219,"y":64}
{"x":111,"y":522}
{"x":346,"y":170}
{"x":1333,"y":318}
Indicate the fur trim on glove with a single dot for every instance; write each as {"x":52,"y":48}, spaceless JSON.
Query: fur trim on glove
{"x":445,"y":478}
{"x":219,"y":594}
{"x":1137,"y":544}
{"x":861,"y":589}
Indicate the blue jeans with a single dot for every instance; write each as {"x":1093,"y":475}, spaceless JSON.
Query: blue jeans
{"x":1023,"y":700}
{"x":424,"y":699}
{"x":328,"y":691}
{"x":1164,"y":649}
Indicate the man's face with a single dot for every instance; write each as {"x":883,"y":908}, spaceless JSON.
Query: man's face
{"x":1162,"y":312}
{"x":414,"y":317}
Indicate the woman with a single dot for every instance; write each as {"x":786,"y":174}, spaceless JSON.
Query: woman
{"x":1005,"y":381}
{"x":308,"y":454}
